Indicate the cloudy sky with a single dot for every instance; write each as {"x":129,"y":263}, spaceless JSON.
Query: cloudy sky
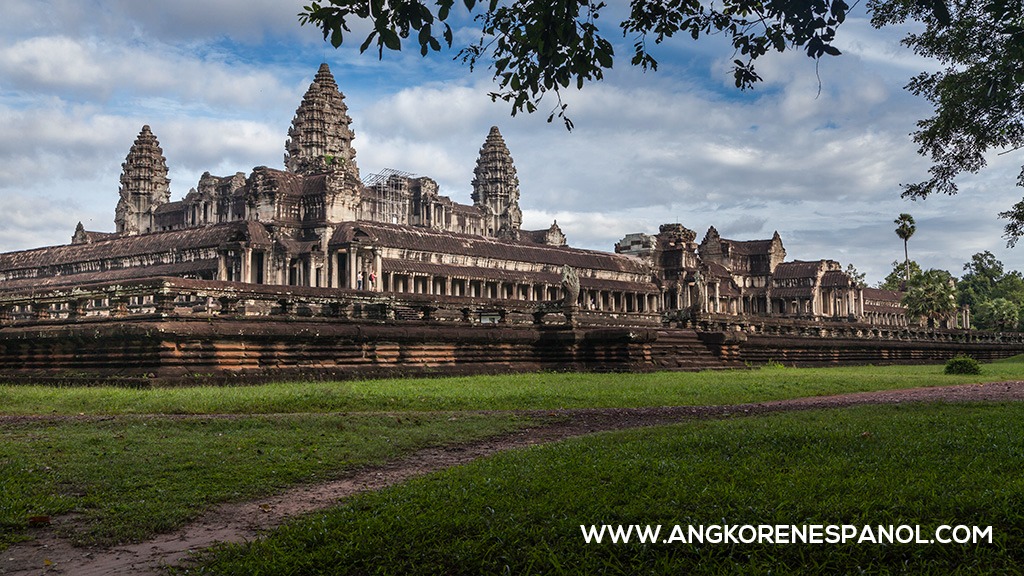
{"x":218,"y":82}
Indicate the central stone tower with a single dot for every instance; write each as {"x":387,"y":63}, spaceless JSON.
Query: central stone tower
{"x":144,"y":185}
{"x":496,"y":188}
{"x":320,"y":138}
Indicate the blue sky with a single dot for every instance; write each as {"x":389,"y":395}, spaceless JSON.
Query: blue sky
{"x":218,"y":82}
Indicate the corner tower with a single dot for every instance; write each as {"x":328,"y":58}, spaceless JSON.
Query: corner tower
{"x":144,"y":185}
{"x":320,"y":138}
{"x":496,"y":187}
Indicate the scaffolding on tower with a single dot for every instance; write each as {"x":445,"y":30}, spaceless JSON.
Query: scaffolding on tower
{"x":390,"y":189}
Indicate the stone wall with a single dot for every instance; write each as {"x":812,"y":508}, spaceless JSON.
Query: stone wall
{"x":140,"y":352}
{"x":171,"y":331}
{"x":813,"y":343}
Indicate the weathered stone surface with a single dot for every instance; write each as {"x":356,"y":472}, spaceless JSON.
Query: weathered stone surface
{"x":320,"y":138}
{"x":167,"y":330}
{"x":144,"y":185}
{"x":496,"y":187}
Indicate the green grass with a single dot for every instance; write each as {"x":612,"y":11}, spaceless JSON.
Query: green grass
{"x":521,"y":391}
{"x":127,"y":478}
{"x":520,"y":512}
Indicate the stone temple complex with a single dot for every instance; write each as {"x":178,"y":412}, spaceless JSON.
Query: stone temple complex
{"x":318,"y":242}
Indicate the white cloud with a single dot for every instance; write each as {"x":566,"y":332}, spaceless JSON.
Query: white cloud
{"x":176,"y":21}
{"x":93,"y":70}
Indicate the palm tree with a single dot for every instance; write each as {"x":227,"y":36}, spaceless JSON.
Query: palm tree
{"x":905,"y":229}
{"x":931,"y":296}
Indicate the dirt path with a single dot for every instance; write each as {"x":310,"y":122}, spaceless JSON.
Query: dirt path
{"x":48,"y":554}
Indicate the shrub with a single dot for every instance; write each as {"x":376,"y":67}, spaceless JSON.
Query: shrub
{"x":963,"y":365}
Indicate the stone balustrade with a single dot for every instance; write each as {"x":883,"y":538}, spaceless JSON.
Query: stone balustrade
{"x":180,"y":298}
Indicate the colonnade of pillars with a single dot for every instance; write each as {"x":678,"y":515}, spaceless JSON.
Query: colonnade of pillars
{"x":361,"y":269}
{"x":603,"y":300}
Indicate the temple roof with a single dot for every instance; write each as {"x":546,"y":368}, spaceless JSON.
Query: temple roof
{"x":141,"y":245}
{"x":748,"y":247}
{"x":394,"y":235}
{"x":144,"y":170}
{"x":882,"y":295}
{"x":207,"y":266}
{"x":797,"y":269}
{"x":793,"y":292}
{"x":836,"y":279}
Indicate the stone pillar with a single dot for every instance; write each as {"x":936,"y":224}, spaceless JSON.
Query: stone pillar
{"x":329,"y":270}
{"x":247,"y":264}
{"x":222,"y":265}
{"x":352,"y":265}
{"x":378,"y":270}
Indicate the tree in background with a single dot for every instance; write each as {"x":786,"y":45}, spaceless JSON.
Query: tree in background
{"x":977,"y":90}
{"x":856,"y":276}
{"x":932,"y":295}
{"x":997,"y":314}
{"x":991,"y":291}
{"x":895,"y":279}
{"x":981,"y":279}
{"x":905,"y":228}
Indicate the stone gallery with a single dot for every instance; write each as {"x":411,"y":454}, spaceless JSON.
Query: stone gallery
{"x":317,"y":240}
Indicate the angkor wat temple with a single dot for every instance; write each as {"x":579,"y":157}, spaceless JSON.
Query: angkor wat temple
{"x":316,"y":246}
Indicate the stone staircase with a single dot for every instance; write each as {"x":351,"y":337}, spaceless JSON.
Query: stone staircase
{"x":682,"y":349}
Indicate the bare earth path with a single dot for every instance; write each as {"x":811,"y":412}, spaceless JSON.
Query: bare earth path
{"x":48,"y":554}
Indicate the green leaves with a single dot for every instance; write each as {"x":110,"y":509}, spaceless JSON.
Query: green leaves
{"x":393,"y":21}
{"x":931,"y":295}
{"x":534,"y":47}
{"x":978,"y":95}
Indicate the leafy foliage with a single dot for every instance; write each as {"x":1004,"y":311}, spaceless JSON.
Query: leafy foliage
{"x":932,"y":295}
{"x":895,"y":280}
{"x":996,"y":296}
{"x":998,"y":314}
{"x":962,"y":365}
{"x":856,"y":276}
{"x":540,"y":46}
{"x":978,"y":94}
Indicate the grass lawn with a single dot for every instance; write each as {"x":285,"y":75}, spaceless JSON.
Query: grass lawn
{"x":520,"y":512}
{"x":506,"y":392}
{"x":128,"y":463}
{"x":129,"y":477}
